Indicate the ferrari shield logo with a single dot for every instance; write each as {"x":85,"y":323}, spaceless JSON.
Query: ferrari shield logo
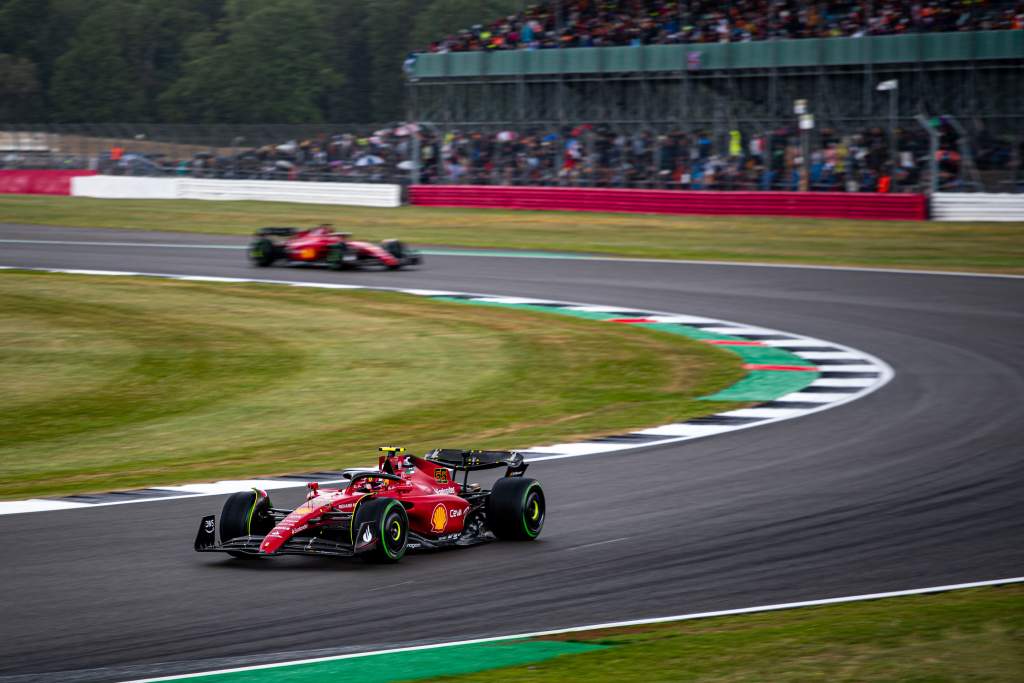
{"x":439,"y":518}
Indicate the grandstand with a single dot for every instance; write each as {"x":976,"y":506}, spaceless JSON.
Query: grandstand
{"x":732,"y":72}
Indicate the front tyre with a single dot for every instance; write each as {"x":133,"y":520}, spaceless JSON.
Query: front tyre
{"x":403,"y":254}
{"x":246,"y":513}
{"x":394,"y":247}
{"x":516,"y":509}
{"x":390,"y":524}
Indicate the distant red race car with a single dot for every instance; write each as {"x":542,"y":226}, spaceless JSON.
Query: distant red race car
{"x":323,"y":245}
{"x":407,"y":503}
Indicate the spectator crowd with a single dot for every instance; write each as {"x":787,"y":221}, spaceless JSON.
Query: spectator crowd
{"x":600,"y":23}
{"x":600,"y":156}
{"x":771,"y":160}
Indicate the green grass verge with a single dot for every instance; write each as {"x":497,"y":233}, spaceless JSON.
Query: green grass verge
{"x":976,"y":246}
{"x":121,"y":382}
{"x":972,"y":635}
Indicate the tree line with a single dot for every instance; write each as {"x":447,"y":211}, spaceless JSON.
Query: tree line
{"x":218,"y":61}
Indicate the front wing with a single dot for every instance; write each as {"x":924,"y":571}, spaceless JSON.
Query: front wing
{"x":206,"y":542}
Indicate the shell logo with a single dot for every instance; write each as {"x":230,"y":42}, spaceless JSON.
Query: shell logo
{"x":307,"y":253}
{"x":439,"y":518}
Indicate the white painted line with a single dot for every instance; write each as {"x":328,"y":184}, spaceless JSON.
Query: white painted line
{"x":82,"y":271}
{"x":848,"y":368}
{"x":770,"y":413}
{"x":795,"y":343}
{"x":816,"y":398}
{"x":601,"y":309}
{"x":230,"y":486}
{"x":687,"y":430}
{"x":384,"y":588}
{"x":12,"y":507}
{"x":737,"y":330}
{"x":573,"y":257}
{"x":597,"y":543}
{"x":211,"y":278}
{"x":511,"y":300}
{"x":321,"y":285}
{"x":611,"y":624}
{"x":739,"y":264}
{"x":827,"y":355}
{"x":157,"y":245}
{"x":680,"y":319}
{"x":854,"y":382}
{"x":579,"y":448}
{"x":427,"y":292}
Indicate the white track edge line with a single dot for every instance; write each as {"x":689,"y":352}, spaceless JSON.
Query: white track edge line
{"x":555,"y":256}
{"x":613,"y":624}
{"x":886,"y":372}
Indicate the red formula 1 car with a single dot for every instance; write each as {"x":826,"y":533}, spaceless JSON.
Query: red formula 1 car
{"x":323,"y":245}
{"x":407,"y":503}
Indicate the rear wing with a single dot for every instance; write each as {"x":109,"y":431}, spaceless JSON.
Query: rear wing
{"x":472,"y":460}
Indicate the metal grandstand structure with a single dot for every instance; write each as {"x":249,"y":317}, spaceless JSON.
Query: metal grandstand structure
{"x":974,"y":76}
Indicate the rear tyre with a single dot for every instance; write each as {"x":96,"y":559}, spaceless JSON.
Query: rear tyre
{"x":516,"y":509}
{"x":246,"y":513}
{"x":390,"y":524}
{"x":262,"y":252}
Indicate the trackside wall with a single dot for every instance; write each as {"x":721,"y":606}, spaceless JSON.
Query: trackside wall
{"x":121,"y":187}
{"x":911,"y":207}
{"x":977,"y":206}
{"x":351,"y":194}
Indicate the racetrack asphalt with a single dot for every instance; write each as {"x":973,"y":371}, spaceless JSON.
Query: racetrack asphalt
{"x":918,"y":484}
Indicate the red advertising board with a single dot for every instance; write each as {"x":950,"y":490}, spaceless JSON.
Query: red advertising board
{"x":39,"y":181}
{"x":869,"y":206}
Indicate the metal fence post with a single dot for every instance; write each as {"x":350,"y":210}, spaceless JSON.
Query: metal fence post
{"x":933,"y":149}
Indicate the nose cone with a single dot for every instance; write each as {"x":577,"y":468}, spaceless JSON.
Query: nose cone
{"x":272,"y":542}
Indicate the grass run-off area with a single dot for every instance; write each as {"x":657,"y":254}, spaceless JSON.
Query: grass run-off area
{"x":972,"y":635}
{"x":974,"y":246}
{"x":114,"y":382}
